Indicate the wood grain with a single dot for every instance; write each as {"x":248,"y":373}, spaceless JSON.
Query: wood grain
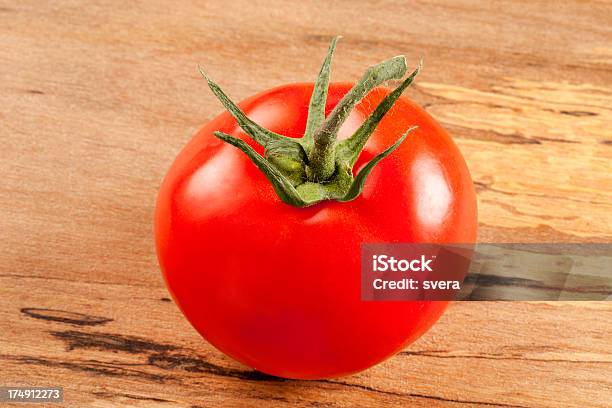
{"x":97,"y":99}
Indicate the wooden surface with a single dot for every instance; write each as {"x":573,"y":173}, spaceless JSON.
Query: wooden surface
{"x":96,"y":100}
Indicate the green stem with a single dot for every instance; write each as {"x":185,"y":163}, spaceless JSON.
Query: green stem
{"x":305,"y":171}
{"x":321,"y":157}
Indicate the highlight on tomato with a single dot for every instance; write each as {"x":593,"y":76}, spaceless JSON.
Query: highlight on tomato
{"x":260,"y":219}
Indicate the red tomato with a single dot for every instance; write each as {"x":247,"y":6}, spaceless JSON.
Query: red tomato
{"x":277,"y":287}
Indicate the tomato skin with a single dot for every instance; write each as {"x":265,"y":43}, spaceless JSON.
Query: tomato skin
{"x":278,"y":287}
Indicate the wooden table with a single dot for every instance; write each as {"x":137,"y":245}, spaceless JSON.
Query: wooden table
{"x":96,"y":101}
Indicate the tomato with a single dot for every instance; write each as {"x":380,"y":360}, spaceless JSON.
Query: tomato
{"x":277,"y":287}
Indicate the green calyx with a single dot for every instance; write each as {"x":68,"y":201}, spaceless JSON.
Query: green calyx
{"x":318,"y":167}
